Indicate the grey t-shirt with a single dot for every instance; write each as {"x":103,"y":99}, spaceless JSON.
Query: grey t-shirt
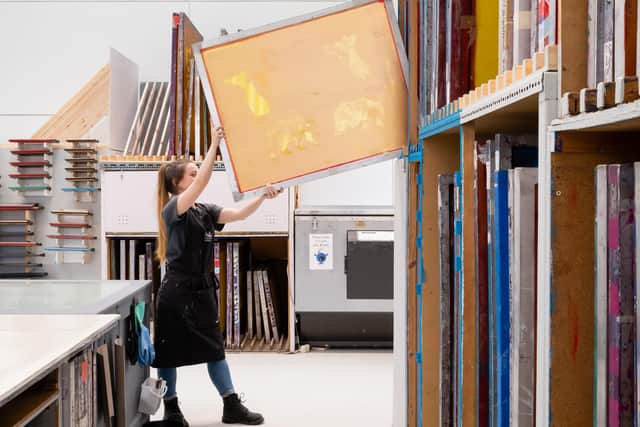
{"x":176,"y":225}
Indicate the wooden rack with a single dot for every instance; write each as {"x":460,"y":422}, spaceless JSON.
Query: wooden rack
{"x":83,"y":156}
{"x":33,"y":163}
{"x":71,"y":237}
{"x":16,"y":255}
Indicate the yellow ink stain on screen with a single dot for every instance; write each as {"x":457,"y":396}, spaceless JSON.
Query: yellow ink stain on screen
{"x":391,"y":81}
{"x":292,"y":134}
{"x":362,"y":112}
{"x":345,"y":48}
{"x":256,"y":102}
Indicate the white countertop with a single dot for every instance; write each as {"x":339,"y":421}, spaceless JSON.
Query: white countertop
{"x":32,"y":345}
{"x":65,"y":296}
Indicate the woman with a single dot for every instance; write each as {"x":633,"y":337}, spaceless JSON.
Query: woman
{"x":187,"y":328}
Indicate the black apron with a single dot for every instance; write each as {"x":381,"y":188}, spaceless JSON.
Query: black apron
{"x":187,"y":328}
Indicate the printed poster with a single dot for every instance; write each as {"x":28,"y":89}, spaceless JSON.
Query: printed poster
{"x":320,"y":251}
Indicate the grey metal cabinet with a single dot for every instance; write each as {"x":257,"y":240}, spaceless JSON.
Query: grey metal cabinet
{"x":344,"y":276}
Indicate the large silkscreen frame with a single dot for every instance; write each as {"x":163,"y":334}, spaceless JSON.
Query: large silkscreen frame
{"x":308,"y":97}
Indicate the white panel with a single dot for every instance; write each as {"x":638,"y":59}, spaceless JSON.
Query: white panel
{"x":128,"y":200}
{"x":130,"y":204}
{"x":523,"y":297}
{"x":400,"y":387}
{"x":368,"y":186}
{"x":123,"y":98}
{"x":73,"y":40}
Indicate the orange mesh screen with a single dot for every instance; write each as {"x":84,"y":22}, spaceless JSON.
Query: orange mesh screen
{"x":309,"y":97}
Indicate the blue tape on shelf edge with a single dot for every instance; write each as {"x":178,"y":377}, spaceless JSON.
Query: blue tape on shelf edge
{"x":415,"y":153}
{"x":440,"y":126}
{"x":457,"y":179}
{"x":415,"y":157}
{"x":457,"y":227}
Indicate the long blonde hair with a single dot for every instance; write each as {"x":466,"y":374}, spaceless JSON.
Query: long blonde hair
{"x":169,"y":176}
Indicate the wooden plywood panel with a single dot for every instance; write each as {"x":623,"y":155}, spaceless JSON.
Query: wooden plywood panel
{"x":441,"y":156}
{"x":347,"y":70}
{"x":82,"y":112}
{"x":469,"y":356}
{"x":573,"y":41}
{"x":572,"y":311}
{"x":626,"y":22}
{"x":411,"y":297}
{"x":571,"y":390}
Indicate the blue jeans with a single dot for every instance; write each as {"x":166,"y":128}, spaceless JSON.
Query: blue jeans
{"x":218,"y":372}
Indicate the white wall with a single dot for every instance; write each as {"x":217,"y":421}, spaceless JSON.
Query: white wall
{"x":51,"y":48}
{"x":368,"y":186}
{"x":54,"y":47}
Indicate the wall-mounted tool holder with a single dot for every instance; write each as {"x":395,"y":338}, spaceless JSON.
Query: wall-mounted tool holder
{"x":18,"y":250}
{"x":33,"y":166}
{"x":83,"y":158}
{"x":73,"y":241}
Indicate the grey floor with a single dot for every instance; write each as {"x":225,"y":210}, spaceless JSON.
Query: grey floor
{"x":317,"y":389}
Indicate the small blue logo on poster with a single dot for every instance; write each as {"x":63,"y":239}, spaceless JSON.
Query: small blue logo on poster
{"x":321,"y":257}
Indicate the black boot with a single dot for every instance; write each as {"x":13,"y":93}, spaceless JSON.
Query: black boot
{"x":172,"y":413}
{"x":236,"y":413}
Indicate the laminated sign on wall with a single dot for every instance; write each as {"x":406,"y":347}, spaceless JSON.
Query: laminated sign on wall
{"x":320,"y":251}
{"x":308,"y":97}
